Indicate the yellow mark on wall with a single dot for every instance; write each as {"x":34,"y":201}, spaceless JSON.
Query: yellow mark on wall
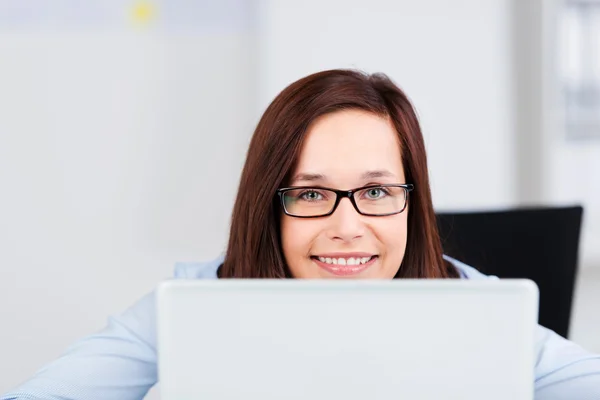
{"x":143,"y":12}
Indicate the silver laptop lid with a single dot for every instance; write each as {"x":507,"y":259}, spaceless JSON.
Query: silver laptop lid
{"x":323,"y":339}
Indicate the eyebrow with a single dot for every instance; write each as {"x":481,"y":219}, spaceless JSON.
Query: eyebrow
{"x":380,"y":173}
{"x":309,"y":177}
{"x":313,"y":177}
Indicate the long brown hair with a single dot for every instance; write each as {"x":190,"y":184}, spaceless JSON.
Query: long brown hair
{"x":254,"y":248}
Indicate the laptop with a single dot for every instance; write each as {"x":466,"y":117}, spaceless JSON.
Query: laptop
{"x":350,"y":340}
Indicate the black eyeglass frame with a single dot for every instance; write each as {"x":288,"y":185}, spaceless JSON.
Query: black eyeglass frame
{"x":340,"y":194}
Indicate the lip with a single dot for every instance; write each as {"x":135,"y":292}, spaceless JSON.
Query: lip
{"x":345,"y":270}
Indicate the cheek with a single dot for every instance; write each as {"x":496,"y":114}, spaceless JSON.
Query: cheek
{"x":392,"y":233}
{"x":297,"y":236}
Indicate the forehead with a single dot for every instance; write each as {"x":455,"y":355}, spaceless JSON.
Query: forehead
{"x":344,"y":145}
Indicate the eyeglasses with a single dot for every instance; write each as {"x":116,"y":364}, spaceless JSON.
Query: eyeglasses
{"x":375,"y":200}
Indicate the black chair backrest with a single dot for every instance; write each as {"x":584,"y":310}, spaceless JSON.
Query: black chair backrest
{"x":537,"y":243}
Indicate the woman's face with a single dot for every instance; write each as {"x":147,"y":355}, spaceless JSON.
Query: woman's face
{"x":346,"y":150}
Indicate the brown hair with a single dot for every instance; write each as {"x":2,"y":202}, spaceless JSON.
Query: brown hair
{"x":254,"y":248}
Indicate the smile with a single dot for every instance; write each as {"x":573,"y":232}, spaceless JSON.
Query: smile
{"x":346,"y":265}
{"x":345,"y":261}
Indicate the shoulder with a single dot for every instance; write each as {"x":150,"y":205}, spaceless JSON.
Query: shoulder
{"x":466,"y":271}
{"x":137,"y":323}
{"x":198,"y":270}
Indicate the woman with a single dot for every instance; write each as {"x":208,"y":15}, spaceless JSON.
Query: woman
{"x":335,"y":185}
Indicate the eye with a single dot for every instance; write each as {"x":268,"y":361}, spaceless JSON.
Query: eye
{"x":310,"y":195}
{"x":375,"y":193}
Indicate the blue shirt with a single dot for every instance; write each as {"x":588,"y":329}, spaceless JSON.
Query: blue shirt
{"x":119,"y":362}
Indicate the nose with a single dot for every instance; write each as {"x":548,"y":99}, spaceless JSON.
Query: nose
{"x":346,"y":224}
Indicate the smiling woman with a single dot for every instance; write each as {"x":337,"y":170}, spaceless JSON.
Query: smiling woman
{"x":330,"y":136}
{"x":335,"y":185}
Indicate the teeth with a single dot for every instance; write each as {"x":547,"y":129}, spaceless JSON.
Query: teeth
{"x":345,"y":261}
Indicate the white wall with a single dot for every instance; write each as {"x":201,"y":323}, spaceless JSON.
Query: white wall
{"x":119,"y":155}
{"x":572,"y":167}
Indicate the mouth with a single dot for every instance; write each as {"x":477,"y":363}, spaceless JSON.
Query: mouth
{"x":344,"y":265}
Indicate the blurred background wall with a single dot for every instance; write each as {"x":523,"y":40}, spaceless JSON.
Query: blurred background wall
{"x":124,"y":126}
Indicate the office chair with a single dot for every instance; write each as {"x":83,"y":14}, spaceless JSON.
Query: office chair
{"x":540,"y":244}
